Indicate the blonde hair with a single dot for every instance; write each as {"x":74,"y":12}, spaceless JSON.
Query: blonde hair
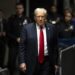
{"x":40,"y":9}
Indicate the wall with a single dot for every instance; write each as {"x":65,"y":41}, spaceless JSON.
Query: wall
{"x":8,"y":6}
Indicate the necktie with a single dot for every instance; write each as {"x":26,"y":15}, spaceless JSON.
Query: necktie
{"x":41,"y":46}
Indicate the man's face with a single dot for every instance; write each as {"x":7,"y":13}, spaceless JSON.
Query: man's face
{"x":19,"y":9}
{"x":40,"y":18}
{"x":53,"y":9}
{"x":68,"y":17}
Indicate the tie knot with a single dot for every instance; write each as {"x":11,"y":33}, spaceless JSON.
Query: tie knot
{"x":41,"y":27}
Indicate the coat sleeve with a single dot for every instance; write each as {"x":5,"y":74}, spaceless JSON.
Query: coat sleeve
{"x":55,"y":47}
{"x":22,"y":46}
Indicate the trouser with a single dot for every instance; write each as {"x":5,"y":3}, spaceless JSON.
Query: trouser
{"x":2,"y":51}
{"x":43,"y":69}
{"x":13,"y":60}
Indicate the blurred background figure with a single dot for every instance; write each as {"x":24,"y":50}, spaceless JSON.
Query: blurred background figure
{"x":69,"y":4}
{"x":15,"y":24}
{"x":73,"y":19}
{"x":3,"y":28}
{"x":66,"y":30}
{"x":53,"y":16}
{"x":66,"y":27}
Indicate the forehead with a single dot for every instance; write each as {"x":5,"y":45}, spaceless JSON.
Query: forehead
{"x":68,"y":14}
{"x":19,"y":6}
{"x":53,"y":7}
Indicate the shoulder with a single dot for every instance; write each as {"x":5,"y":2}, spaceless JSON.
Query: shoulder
{"x":51,"y":28}
{"x":28,"y":26}
{"x":26,"y":17}
{"x":11,"y":17}
{"x":50,"y":25}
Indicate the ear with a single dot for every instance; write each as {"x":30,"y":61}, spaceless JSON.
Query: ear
{"x":45,"y":20}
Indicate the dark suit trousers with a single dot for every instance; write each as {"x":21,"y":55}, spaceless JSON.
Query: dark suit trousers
{"x":42,"y":69}
{"x":2,"y":51}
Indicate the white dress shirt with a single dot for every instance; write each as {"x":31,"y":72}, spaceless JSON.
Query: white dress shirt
{"x":45,"y":39}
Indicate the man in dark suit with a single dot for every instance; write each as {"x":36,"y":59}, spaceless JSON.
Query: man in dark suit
{"x":15,"y":24}
{"x":3,"y":28}
{"x":53,"y":16}
{"x":38,"y":46}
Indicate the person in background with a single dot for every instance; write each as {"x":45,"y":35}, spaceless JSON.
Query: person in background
{"x":66,"y":27}
{"x":15,"y":25}
{"x":66,"y":31}
{"x":3,"y":29}
{"x":38,"y":54}
{"x":53,"y":16}
{"x":73,"y":19}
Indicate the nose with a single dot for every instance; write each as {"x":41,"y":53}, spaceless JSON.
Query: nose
{"x":40,"y":18}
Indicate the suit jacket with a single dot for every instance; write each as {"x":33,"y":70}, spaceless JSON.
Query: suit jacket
{"x":29,"y":50}
{"x":66,"y":29}
{"x":15,"y":24}
{"x":4,"y":23}
{"x":3,"y":38}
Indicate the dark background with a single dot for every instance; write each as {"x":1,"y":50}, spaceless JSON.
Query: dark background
{"x":68,"y":62}
{"x":45,"y":4}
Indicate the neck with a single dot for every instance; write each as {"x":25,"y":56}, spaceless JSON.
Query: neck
{"x":19,"y":15}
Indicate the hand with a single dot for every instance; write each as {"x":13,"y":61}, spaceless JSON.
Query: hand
{"x":56,"y":68}
{"x":4,"y":33}
{"x":23,"y":67}
{"x":18,"y":40}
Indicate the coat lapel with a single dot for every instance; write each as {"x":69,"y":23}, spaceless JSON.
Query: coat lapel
{"x":35,"y":38}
